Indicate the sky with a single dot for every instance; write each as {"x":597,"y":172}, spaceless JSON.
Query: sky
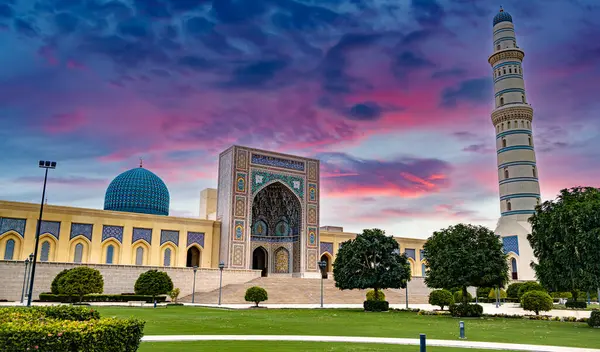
{"x":393,"y":96}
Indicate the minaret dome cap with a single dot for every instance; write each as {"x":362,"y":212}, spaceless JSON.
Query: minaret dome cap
{"x":502,"y":16}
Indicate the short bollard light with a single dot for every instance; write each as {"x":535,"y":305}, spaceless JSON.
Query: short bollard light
{"x":423,"y":344}
{"x":461,"y":326}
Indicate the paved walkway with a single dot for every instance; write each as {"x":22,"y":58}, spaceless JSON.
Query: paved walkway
{"x":383,"y":340}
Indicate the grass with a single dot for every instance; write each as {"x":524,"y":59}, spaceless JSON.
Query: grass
{"x":348,"y":322}
{"x":284,"y":346}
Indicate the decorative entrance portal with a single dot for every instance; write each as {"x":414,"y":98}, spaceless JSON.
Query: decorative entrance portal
{"x":193,"y":257}
{"x":259,"y":260}
{"x":276,"y":223}
{"x":325,"y":258}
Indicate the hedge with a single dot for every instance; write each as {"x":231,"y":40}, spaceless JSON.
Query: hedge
{"x":376,"y":306}
{"x":594,"y":320}
{"x":466,"y":310}
{"x":66,"y":329}
{"x":48,"y":297}
{"x":576,"y":305}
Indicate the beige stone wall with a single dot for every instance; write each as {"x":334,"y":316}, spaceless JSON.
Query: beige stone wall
{"x":117,"y":278}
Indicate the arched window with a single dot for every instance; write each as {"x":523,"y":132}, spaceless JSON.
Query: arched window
{"x":509,"y":70}
{"x":505,"y":172}
{"x":9,"y":250}
{"x":508,"y":125}
{"x":501,"y":100}
{"x":513,"y":267}
{"x":110,"y":253}
{"x":167,"y":257}
{"x":503,"y":142}
{"x":423,"y":269}
{"x":534,"y":173}
{"x":502,"y":127}
{"x":78,"y":253}
{"x":529,"y":138}
{"x":45,"y":251}
{"x":523,"y":98}
{"x":504,"y":70}
{"x":522,"y":123}
{"x":498,"y":47}
{"x":508,"y":205}
{"x":498,"y":128}
{"x":139,"y":256}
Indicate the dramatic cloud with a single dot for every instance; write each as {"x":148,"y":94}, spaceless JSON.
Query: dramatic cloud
{"x":395,"y":98}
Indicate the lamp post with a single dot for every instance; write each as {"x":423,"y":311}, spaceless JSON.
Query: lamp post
{"x":194,"y":287}
{"x":28,"y":274}
{"x":323,"y":266}
{"x":497,"y":290}
{"x":24,"y":279}
{"x":221,"y":266}
{"x":43,"y":164}
{"x":406,"y":294}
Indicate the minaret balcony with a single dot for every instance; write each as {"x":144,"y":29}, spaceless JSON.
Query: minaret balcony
{"x":504,"y":54}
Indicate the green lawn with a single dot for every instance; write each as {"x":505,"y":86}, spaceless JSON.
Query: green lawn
{"x":284,"y":346}
{"x":348,"y":322}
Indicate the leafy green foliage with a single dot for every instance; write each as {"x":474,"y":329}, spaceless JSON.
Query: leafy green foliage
{"x":529,"y":286}
{"x":537,"y":301}
{"x":80,"y":281}
{"x":371,"y":260}
{"x":256,"y":294}
{"x":371,"y":296}
{"x":513,"y":290}
{"x":48,"y":297}
{"x":576,"y":305}
{"x":376,"y":306}
{"x":66,"y":329}
{"x":459,"y":298}
{"x":566,"y":295}
{"x":465,"y":255}
{"x":174,"y":294}
{"x":594,"y":320}
{"x":565,"y":239}
{"x":482,"y":292}
{"x":492,"y":294}
{"x":466,"y":310}
{"x":54,"y":284}
{"x":442,"y":298}
{"x":153,"y":283}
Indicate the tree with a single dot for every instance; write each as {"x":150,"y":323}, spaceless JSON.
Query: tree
{"x":81,"y":281}
{"x":442,"y":298}
{"x":54,"y":284}
{"x":371,"y":260}
{"x":256,"y":294}
{"x":537,"y":301}
{"x":465,"y":255}
{"x":565,"y":238}
{"x":153,"y":283}
{"x":529,"y":286}
{"x":513,"y":290}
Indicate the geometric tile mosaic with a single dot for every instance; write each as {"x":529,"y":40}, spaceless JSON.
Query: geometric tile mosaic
{"x":169,"y":236}
{"x":84,"y":230}
{"x":327,"y":247}
{"x":260,"y":178}
{"x":195,"y":238}
{"x":410,"y":253}
{"x":51,"y":227}
{"x":511,"y":244}
{"x":277,"y":162}
{"x":141,"y":234}
{"x":10,"y":224}
{"x":115,"y":232}
{"x":421,"y":254}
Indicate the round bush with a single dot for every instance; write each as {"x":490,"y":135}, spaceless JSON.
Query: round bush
{"x":458,"y":297}
{"x":492,"y":294}
{"x":513,"y":290}
{"x":594,"y":320}
{"x":54,"y":284}
{"x":153,"y":283}
{"x":537,"y":301}
{"x":442,"y":298}
{"x":256,"y":294}
{"x":530,"y":286}
{"x":466,"y":310}
{"x":371,"y":295}
{"x":81,"y":281}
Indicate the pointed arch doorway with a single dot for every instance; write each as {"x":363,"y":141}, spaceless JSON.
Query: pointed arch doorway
{"x":325,"y":258}
{"x":260,"y":260}
{"x":193,"y":257}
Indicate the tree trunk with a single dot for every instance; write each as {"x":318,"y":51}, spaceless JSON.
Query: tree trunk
{"x":575,"y":294}
{"x":465,"y":297}
{"x":376,"y":293}
{"x":80,"y":298}
{"x":259,"y":301}
{"x":537,"y":312}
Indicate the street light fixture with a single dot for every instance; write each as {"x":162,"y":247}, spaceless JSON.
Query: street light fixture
{"x":43,"y":164}
{"x":323,"y":266}
{"x":221,"y":266}
{"x":194,"y":287}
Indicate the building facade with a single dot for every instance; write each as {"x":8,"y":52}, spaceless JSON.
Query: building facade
{"x":264,"y":215}
{"x":512,"y":118}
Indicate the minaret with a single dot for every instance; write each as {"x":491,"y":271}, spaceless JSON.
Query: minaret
{"x":517,"y":171}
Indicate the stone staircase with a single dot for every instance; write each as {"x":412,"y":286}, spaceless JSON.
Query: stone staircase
{"x":307,"y":291}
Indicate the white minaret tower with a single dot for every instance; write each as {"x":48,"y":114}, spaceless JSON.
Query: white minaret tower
{"x":517,"y":170}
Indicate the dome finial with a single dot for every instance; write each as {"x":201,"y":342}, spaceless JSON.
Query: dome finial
{"x":141,"y":162}
{"x":501,"y":9}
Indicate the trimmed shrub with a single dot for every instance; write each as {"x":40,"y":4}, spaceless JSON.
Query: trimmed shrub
{"x":442,"y":298}
{"x":256,"y":294}
{"x":50,"y":312}
{"x":174,"y":294}
{"x":153,"y":283}
{"x":458,"y":296}
{"x":492,"y":294}
{"x":513,"y":290}
{"x":565,"y":295}
{"x":376,"y":306}
{"x":537,"y":301}
{"x":54,"y":284}
{"x":594,"y":320}
{"x":81,"y":281}
{"x":371,"y":295}
{"x":48,"y":297}
{"x":483,"y":292}
{"x":466,"y":310}
{"x":530,"y":286}
{"x":576,"y":305}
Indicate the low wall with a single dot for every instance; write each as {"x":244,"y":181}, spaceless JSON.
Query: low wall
{"x":117,"y":278}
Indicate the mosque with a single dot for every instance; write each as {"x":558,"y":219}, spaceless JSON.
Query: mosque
{"x":264,"y":214}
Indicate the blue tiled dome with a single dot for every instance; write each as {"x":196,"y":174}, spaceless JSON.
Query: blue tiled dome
{"x":137,"y":191}
{"x":502,"y":16}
